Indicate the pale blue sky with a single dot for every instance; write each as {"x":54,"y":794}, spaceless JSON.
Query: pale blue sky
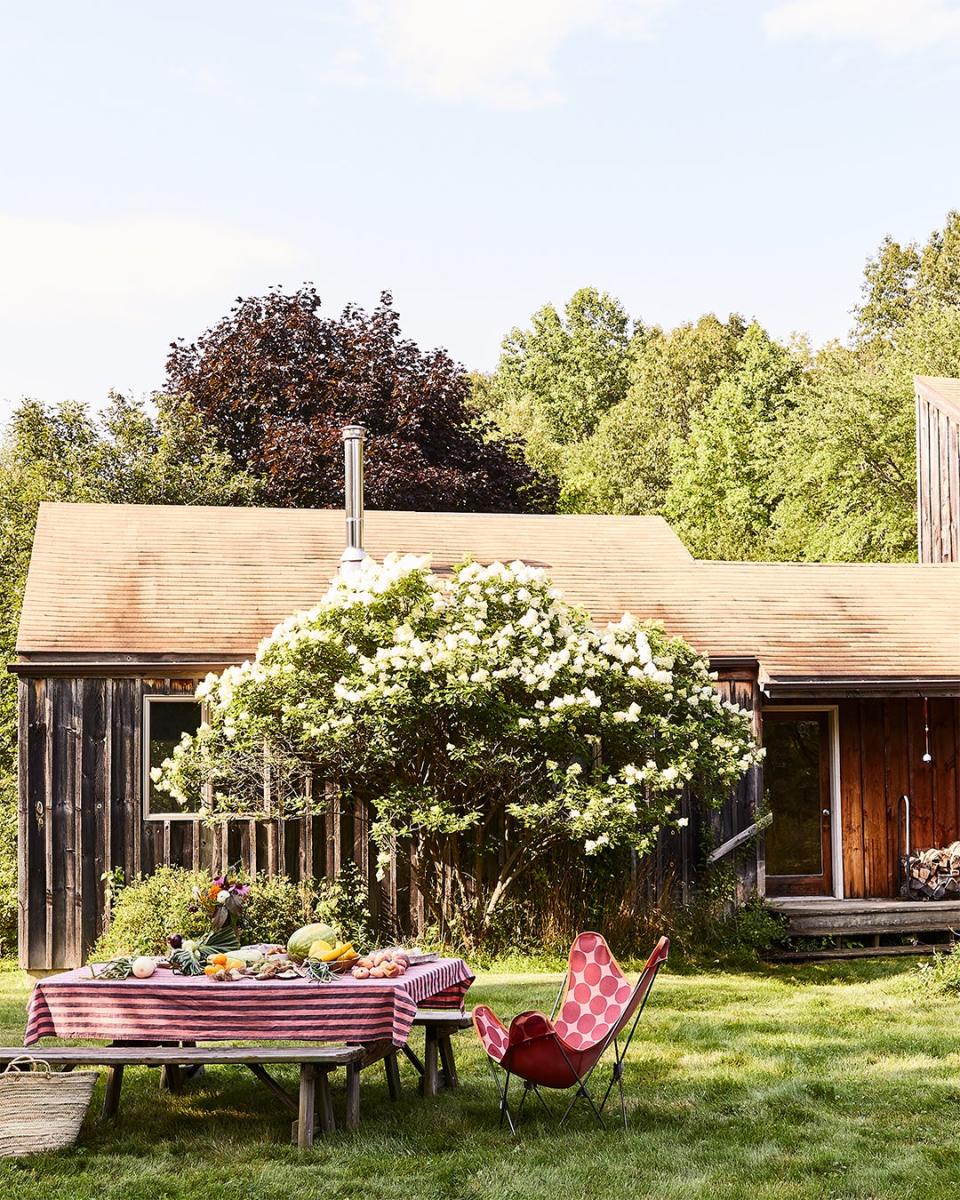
{"x":478,"y":159}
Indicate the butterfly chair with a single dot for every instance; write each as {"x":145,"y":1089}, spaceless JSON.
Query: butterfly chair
{"x":596,"y":1007}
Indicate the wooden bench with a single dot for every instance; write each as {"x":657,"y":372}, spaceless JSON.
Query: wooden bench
{"x":315,"y":1063}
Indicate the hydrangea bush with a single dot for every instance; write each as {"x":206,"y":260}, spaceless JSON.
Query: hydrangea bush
{"x":481,"y":716}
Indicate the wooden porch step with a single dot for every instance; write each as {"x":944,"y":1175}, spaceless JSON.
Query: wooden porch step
{"x":856,"y":918}
{"x":854,"y":952}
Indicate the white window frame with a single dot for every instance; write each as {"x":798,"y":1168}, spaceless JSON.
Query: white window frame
{"x":148,"y":700}
{"x":836,"y":830}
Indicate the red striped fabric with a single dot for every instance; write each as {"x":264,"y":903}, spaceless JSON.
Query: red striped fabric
{"x":176,"y":1008}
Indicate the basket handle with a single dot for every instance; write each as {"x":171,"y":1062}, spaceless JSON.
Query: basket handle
{"x":40,"y":1065}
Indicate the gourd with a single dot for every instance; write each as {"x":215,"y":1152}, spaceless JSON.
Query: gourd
{"x":143,"y":967}
{"x":300,"y":942}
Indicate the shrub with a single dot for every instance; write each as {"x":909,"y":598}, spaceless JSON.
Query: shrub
{"x":941,"y":974}
{"x":344,"y":902}
{"x":276,"y":907}
{"x":8,"y":864}
{"x":150,"y":908}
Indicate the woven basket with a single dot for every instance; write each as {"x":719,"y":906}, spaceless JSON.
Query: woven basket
{"x":41,"y":1109}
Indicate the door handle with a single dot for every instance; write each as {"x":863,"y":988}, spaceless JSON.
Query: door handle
{"x":826,"y":812}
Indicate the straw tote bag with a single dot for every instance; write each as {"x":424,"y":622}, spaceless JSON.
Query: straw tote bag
{"x":41,"y":1109}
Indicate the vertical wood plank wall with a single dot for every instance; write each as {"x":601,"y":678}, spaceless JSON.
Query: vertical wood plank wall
{"x":938,"y":483}
{"x":881,"y":759}
{"x":80,"y":817}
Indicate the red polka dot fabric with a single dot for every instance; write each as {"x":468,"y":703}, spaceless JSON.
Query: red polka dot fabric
{"x":491,"y":1032}
{"x":597,"y":1004}
{"x":597,"y":996}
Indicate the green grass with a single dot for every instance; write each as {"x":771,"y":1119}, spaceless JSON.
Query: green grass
{"x":823,"y":1081}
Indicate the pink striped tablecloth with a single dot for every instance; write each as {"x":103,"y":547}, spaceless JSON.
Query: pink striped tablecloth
{"x":177,"y":1008}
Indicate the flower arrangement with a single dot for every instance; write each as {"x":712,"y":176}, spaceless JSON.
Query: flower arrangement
{"x":222,"y":900}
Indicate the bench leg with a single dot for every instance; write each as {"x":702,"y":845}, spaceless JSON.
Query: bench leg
{"x":448,"y":1062}
{"x":392,"y":1068}
{"x":353,"y":1096}
{"x":305,"y":1112}
{"x":430,"y":1081}
{"x":111,"y":1095}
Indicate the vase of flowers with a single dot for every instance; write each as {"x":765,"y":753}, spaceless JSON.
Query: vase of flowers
{"x":222,"y":902}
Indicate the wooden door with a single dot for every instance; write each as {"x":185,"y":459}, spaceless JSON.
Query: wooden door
{"x":796,"y":780}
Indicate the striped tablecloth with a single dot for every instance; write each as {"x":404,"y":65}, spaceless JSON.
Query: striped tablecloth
{"x":177,"y":1008}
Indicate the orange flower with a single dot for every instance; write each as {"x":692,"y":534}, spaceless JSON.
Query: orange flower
{"x":215,"y":890}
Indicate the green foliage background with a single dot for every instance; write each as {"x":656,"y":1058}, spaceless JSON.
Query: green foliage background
{"x":753,"y":449}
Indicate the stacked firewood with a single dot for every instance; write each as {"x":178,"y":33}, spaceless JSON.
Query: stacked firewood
{"x":933,"y":874}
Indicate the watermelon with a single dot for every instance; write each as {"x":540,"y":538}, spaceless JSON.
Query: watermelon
{"x":300,"y":942}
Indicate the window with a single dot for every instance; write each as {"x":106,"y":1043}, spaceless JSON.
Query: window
{"x":165,"y":720}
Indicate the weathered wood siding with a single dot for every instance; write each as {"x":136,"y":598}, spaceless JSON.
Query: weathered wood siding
{"x":80,"y":817}
{"x":881,"y":759}
{"x":938,"y":482}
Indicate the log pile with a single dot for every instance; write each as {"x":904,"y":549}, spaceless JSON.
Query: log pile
{"x":933,"y":874}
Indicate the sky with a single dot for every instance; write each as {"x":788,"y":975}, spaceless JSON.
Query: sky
{"x":478,"y":159}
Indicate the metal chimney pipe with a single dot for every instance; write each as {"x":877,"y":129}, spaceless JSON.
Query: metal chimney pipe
{"x":354,"y":554}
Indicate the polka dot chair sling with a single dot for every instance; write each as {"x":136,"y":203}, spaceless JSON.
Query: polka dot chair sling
{"x":597,"y":1008}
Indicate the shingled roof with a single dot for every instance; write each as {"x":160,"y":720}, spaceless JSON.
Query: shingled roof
{"x":207,"y":583}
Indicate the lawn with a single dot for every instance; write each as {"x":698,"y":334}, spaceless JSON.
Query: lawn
{"x":823,"y":1081}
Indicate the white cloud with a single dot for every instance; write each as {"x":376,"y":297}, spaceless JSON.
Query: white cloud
{"x":113,"y":268}
{"x":889,"y":24}
{"x":499,"y":52}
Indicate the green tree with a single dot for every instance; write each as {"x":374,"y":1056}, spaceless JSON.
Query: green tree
{"x":625,"y":465}
{"x":555,"y":380}
{"x":63,"y":452}
{"x":723,"y":487}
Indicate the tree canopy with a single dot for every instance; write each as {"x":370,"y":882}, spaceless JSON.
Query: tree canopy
{"x":482,"y":717}
{"x":752,"y":447}
{"x":275,"y":382}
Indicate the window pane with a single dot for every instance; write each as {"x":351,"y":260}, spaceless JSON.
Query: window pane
{"x":791,"y":774}
{"x":169,"y":721}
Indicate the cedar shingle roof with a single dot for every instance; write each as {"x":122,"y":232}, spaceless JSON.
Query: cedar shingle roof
{"x":149,"y":580}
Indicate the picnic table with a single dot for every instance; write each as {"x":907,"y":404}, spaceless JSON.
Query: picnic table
{"x":371,"y":1019}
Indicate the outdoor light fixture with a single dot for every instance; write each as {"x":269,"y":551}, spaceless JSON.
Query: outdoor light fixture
{"x":927,"y":756}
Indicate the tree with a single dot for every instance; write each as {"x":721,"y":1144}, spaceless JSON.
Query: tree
{"x":565,"y":371}
{"x":276,"y":382}
{"x":624,"y":466}
{"x":483,"y":719}
{"x":64,"y":453}
{"x":723,"y":488}
{"x":847,"y":468}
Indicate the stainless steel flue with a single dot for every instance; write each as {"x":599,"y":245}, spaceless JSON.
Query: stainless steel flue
{"x":354,"y":554}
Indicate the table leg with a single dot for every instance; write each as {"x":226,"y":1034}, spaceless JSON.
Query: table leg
{"x":111,"y":1095}
{"x":171,"y":1078}
{"x":353,"y":1096}
{"x":430,"y":1081}
{"x":305,"y":1112}
{"x":392,"y":1068}
{"x":448,"y":1062}
{"x":327,"y":1122}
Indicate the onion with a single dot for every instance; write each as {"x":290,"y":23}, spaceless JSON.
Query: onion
{"x":143,"y":967}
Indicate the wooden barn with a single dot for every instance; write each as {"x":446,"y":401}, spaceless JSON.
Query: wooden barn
{"x":853,"y":673}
